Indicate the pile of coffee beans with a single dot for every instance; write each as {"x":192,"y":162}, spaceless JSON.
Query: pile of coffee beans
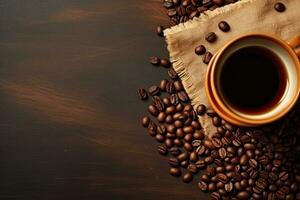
{"x":182,"y":10}
{"x":236,"y":162}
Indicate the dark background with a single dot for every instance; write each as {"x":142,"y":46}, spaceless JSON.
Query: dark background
{"x":69,"y":112}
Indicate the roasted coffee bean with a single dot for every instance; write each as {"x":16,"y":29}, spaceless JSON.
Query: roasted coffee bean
{"x":172,"y":74}
{"x":228,"y":187}
{"x":182,"y":95}
{"x":165,"y":63}
{"x":174,"y":162}
{"x":154,"y":61}
{"x":160,"y":138}
{"x":224,"y":26}
{"x":146,"y":121}
{"x":169,"y":142}
{"x":142,"y":94}
{"x":207,"y":3}
{"x":154,"y":90}
{"x":215,"y":196}
{"x":171,"y":12}
{"x":244,"y":159}
{"x":178,"y":142}
{"x":187,"y":178}
{"x":222,"y":153}
{"x":202,"y":186}
{"x":253,"y":163}
{"x":174,"y":99}
{"x":188,"y":147}
{"x":199,"y":135}
{"x":175,"y":151}
{"x":183,"y":156}
{"x":243,"y":195}
{"x":211,"y":37}
{"x":279,"y":7}
{"x":160,"y":31}
{"x":207,"y":57}
{"x":170,"y":88}
{"x":184,"y":164}
{"x":200,"y":50}
{"x":194,"y":156}
{"x":162,"y":150}
{"x":161,"y":129}
{"x":163,"y":84}
{"x":178,"y":86}
{"x":153,"y":110}
{"x":200,"y":150}
{"x":159,"y":104}
{"x":222,"y":178}
{"x":208,"y":160}
{"x":216,"y":121}
{"x":283,"y":176}
{"x":161,"y":117}
{"x":192,"y":168}
{"x":175,"y":171}
{"x":219,"y":2}
{"x":212,"y":187}
{"x":201,"y":109}
{"x":216,"y":142}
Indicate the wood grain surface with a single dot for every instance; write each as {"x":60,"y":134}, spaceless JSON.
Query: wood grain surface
{"x":69,"y":112}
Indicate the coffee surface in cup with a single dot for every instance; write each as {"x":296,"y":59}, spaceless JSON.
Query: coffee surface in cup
{"x":253,"y":80}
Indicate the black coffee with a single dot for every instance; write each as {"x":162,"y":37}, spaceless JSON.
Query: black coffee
{"x":253,"y":80}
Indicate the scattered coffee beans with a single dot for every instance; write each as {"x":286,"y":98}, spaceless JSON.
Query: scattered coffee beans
{"x":154,"y":60}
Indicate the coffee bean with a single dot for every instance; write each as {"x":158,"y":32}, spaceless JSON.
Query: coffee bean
{"x":211,"y":37}
{"x":178,"y":86}
{"x":283,"y":176}
{"x":172,"y":74}
{"x":153,"y":110}
{"x":207,"y":57}
{"x":160,"y":138}
{"x":216,"y":142}
{"x":174,"y":162}
{"x":224,"y":26}
{"x":208,"y":144}
{"x":175,"y":151}
{"x":162,"y":150}
{"x":208,"y":160}
{"x":253,"y":163}
{"x":216,"y":121}
{"x":199,"y":135}
{"x":201,"y":109}
{"x":178,"y":142}
{"x":187,"y":178}
{"x":160,"y":31}
{"x":142,"y":94}
{"x":158,"y":103}
{"x":222,"y":153}
{"x":188,"y":147}
{"x":165,"y":63}
{"x":174,"y":99}
{"x":200,"y":150}
{"x":170,"y":88}
{"x":183,"y":156}
{"x":145,"y":121}
{"x":154,"y":90}
{"x":202,"y":186}
{"x":244,"y":159}
{"x":222,"y":178}
{"x":169,"y":142}
{"x":171,"y":12}
{"x":243,"y":195}
{"x":200,"y":50}
{"x":163,"y":84}
{"x":175,"y":171}
{"x":279,"y":7}
{"x":229,"y":187}
{"x":182,"y":95}
{"x":154,"y":61}
{"x":192,"y":168}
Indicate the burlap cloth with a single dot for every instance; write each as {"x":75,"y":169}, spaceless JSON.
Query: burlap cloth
{"x":244,"y":16}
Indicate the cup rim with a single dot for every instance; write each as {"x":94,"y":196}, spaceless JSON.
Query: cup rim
{"x":228,"y":114}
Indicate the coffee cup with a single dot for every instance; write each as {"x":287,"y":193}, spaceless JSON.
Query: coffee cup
{"x":254,"y":79}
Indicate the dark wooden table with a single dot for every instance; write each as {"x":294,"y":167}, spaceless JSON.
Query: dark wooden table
{"x":69,"y":112}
